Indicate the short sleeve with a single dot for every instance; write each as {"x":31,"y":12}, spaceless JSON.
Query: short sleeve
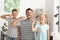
{"x":37,"y":25}
{"x":47,"y":27}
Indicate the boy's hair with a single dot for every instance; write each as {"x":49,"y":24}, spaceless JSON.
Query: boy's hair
{"x":29,"y":9}
{"x":14,"y":10}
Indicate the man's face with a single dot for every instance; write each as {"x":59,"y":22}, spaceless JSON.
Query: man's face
{"x":14,"y":14}
{"x":29,"y":14}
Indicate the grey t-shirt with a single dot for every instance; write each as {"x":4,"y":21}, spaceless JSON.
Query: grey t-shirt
{"x":12,"y":31}
{"x":26,"y":30}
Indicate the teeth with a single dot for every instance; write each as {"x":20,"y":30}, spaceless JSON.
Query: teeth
{"x":29,"y":16}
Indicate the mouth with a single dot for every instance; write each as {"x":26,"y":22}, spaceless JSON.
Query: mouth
{"x":29,"y":17}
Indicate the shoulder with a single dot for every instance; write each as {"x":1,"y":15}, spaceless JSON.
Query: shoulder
{"x":47,"y":26}
{"x":37,"y":24}
{"x":21,"y":21}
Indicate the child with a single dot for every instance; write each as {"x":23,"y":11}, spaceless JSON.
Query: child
{"x":12,"y":29}
{"x":42,"y":28}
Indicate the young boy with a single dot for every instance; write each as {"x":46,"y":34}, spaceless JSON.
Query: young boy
{"x":12,"y":29}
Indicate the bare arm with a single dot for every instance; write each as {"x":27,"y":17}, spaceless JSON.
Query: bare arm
{"x":33,"y":22}
{"x":21,"y":18}
{"x":14,"y":22}
{"x":48,"y":34}
{"x":19,"y":33}
{"x":4,"y":16}
{"x":33,"y":28}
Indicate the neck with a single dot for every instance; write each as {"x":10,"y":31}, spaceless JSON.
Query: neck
{"x":29,"y":19}
{"x":42,"y":23}
{"x":14,"y":17}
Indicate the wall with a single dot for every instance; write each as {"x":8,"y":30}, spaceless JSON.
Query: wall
{"x":50,"y":12}
{"x":56,"y":3}
{"x":1,"y":11}
{"x":1,"y":7}
{"x":34,"y":4}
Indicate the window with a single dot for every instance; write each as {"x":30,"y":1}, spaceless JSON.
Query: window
{"x":11,"y":4}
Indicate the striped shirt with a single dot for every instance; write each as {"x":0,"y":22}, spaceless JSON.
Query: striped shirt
{"x":26,"y":30}
{"x":12,"y":31}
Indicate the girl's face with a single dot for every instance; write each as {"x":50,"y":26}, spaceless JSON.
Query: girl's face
{"x":42,"y":18}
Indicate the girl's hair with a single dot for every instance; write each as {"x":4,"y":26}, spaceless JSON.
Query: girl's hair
{"x":44,"y":13}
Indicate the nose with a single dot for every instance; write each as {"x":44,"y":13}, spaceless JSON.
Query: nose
{"x":28,"y":14}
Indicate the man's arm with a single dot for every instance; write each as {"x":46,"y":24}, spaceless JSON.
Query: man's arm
{"x":19,"y":31}
{"x":21,"y":18}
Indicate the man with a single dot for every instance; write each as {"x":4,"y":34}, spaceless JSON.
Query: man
{"x":26,"y":26}
{"x":12,"y":29}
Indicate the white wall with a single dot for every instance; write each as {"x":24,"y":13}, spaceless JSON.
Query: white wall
{"x":1,"y":11}
{"x":50,"y":12}
{"x":59,"y":14}
{"x":56,"y":3}
{"x":34,"y":4}
{"x":57,"y":34}
{"x":1,"y":7}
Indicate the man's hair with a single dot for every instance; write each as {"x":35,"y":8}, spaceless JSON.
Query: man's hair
{"x":14,"y":10}
{"x":29,"y":9}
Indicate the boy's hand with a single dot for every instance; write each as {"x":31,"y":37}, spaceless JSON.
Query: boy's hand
{"x":14,"y":22}
{"x":5,"y":16}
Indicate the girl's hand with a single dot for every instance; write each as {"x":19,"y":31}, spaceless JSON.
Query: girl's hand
{"x":33,"y":21}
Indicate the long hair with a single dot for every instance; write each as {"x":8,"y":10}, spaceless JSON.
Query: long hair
{"x":44,"y":13}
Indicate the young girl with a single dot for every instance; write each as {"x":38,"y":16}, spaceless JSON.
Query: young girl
{"x":42,"y":28}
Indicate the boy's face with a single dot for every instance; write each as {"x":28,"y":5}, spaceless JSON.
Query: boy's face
{"x":29,"y":14}
{"x":42,"y":18}
{"x":14,"y":14}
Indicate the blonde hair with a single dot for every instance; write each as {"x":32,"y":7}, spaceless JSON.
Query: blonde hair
{"x":44,"y":13}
